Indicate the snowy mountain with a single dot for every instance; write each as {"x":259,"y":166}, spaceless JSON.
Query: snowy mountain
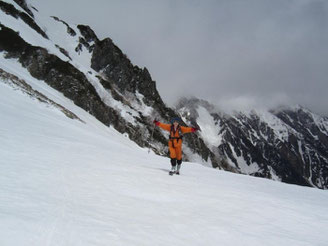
{"x":289,"y":144}
{"x":95,"y":74}
{"x":70,"y":177}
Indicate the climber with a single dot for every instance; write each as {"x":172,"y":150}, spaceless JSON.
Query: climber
{"x":175,"y":141}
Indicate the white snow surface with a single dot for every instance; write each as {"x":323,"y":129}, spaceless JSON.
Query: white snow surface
{"x":280,"y":129}
{"x":209,"y":130}
{"x":64,"y":182}
{"x":28,"y":34}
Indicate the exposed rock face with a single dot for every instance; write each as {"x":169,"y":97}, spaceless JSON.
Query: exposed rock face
{"x":88,"y":34}
{"x":58,"y":74}
{"x":287,"y":144}
{"x":309,"y":144}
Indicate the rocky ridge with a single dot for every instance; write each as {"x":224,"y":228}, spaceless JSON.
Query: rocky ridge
{"x":116,"y":92}
{"x":287,"y":144}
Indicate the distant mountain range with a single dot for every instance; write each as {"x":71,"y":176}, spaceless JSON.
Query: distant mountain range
{"x":288,"y":145}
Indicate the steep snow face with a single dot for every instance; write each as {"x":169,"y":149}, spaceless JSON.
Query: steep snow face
{"x":242,"y":164}
{"x":58,"y":37}
{"x":65,"y":182}
{"x":28,"y":34}
{"x":76,"y":54}
{"x":57,"y":30}
{"x":281,"y":131}
{"x":209,"y":128}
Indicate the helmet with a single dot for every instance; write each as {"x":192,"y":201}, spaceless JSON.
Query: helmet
{"x":176,"y":119}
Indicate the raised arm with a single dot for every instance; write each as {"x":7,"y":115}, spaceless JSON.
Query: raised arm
{"x":166,"y":127}
{"x":185,"y":129}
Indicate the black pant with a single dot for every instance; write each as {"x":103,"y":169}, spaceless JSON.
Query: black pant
{"x":175,"y":161}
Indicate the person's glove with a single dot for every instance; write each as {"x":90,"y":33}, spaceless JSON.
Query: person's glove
{"x":193,"y":129}
{"x":156,"y":122}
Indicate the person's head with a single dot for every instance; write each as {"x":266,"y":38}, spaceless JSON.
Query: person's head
{"x":176,"y":121}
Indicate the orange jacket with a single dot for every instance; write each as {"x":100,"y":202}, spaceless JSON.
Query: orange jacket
{"x":175,"y":136}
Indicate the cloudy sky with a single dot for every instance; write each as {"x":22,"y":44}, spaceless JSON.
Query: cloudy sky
{"x":235,"y":53}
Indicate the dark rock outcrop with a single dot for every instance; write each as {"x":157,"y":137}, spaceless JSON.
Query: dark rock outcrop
{"x":70,"y":30}
{"x":9,"y":9}
{"x":58,"y":74}
{"x":23,"y":4}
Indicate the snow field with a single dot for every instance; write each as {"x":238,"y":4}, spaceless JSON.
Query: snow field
{"x":64,"y":182}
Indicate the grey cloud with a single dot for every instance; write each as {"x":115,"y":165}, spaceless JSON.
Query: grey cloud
{"x":235,"y":53}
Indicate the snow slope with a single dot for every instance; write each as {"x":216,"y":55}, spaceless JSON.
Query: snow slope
{"x":64,"y":182}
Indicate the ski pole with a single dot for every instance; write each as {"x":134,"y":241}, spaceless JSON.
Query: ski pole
{"x":151,"y":138}
{"x":193,"y":139}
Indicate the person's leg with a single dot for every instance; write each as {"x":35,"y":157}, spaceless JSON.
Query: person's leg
{"x":173,"y":164}
{"x":173,"y":159}
{"x":179,"y":158}
{"x":179,"y":166}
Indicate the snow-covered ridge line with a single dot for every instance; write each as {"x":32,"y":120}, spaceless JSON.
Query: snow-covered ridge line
{"x":20,"y":84}
{"x":9,"y":9}
{"x":79,"y":54}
